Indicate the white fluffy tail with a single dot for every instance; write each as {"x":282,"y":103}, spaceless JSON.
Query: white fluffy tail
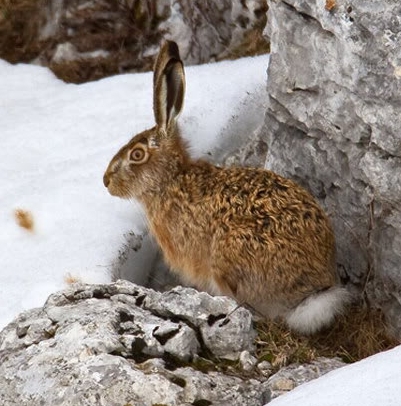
{"x":318,"y":310}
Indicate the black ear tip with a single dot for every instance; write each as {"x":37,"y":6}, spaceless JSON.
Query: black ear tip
{"x":173,"y":50}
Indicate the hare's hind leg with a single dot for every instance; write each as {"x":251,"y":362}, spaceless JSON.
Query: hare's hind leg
{"x":235,"y":285}
{"x":224,"y":285}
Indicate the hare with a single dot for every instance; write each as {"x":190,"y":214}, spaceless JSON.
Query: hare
{"x":242,"y":232}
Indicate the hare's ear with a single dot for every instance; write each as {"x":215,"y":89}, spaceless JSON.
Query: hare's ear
{"x":168,"y":85}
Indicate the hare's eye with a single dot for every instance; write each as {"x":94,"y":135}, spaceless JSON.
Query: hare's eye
{"x":138,"y":155}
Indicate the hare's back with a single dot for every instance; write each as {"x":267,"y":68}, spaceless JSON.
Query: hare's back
{"x":253,"y":195}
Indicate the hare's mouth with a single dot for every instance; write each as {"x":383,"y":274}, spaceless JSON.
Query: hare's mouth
{"x":114,"y":192}
{"x":114,"y":188}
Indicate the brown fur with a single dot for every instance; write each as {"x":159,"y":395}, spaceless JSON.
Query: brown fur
{"x":247,"y":233}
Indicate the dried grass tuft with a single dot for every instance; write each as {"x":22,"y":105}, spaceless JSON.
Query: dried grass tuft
{"x":70,"y":279}
{"x":356,"y":335}
{"x":84,"y":70}
{"x":19,"y":26}
{"x":24,"y":219}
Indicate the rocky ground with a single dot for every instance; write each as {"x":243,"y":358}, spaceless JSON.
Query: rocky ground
{"x":122,"y":344}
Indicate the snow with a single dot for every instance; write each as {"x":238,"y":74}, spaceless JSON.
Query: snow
{"x":57,"y":140}
{"x":371,"y":382}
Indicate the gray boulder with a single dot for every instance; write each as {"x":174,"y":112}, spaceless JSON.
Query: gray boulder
{"x":332,"y":124}
{"x":122,"y":344}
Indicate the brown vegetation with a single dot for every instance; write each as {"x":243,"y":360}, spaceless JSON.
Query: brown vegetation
{"x":19,"y":27}
{"x":70,"y":279}
{"x":85,"y":70}
{"x":24,"y":219}
{"x":95,"y":28}
{"x":359,"y":333}
{"x":88,"y":29}
{"x":122,"y":30}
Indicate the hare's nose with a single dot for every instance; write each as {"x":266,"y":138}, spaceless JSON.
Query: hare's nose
{"x":106,"y":179}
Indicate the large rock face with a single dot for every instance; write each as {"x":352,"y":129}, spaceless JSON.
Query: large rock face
{"x":333,"y":124}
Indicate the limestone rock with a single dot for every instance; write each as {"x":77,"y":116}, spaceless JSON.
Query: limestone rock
{"x":241,"y":142}
{"x":294,"y":375}
{"x":332,"y":124}
{"x":218,"y":318}
{"x":124,"y":344}
{"x":247,"y":360}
